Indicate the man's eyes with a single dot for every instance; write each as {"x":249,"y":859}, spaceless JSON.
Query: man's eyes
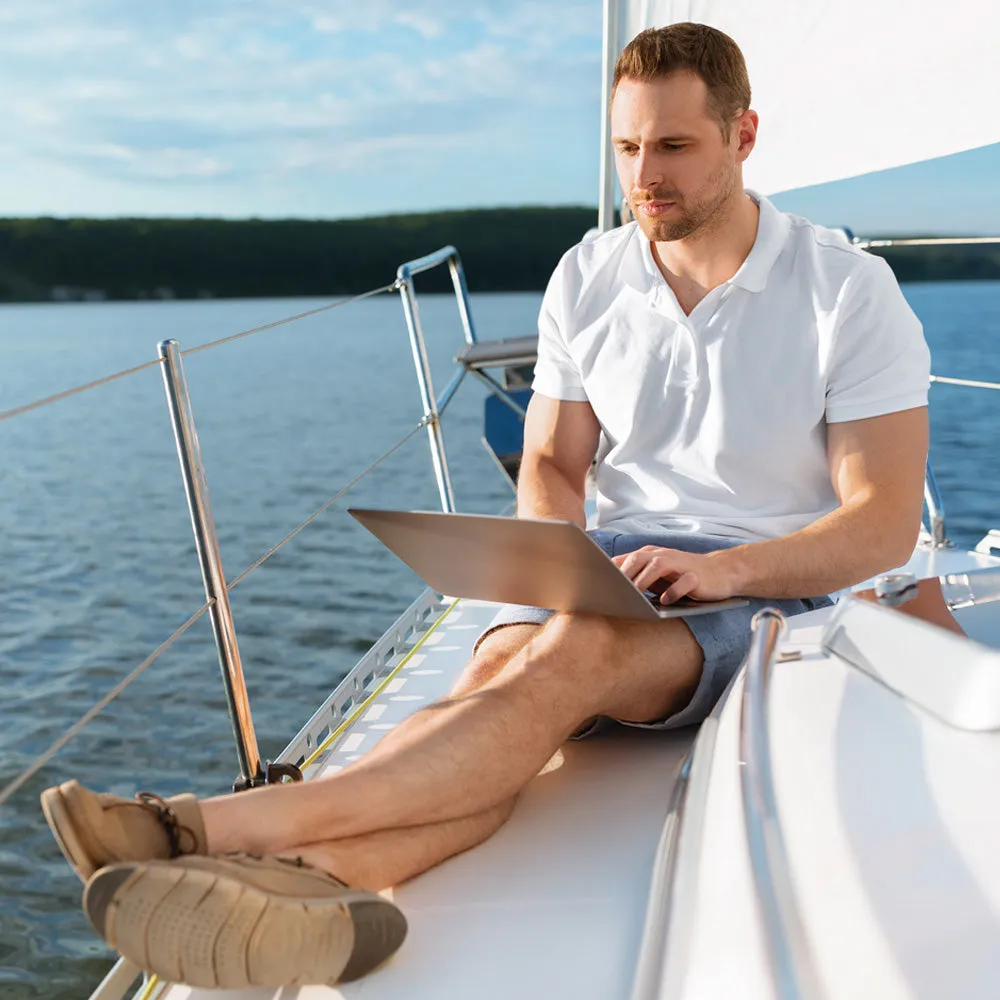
{"x":668,"y":147}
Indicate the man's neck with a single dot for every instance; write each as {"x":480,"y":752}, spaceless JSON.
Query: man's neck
{"x":695,"y":265}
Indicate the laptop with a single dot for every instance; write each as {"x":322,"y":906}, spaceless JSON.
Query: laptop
{"x":546,"y":564}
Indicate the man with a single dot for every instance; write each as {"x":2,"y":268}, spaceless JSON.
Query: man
{"x":754,"y":391}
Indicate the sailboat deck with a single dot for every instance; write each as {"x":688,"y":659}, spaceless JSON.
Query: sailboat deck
{"x":551,"y":906}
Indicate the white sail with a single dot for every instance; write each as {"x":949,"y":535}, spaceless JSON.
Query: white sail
{"x":845,"y":87}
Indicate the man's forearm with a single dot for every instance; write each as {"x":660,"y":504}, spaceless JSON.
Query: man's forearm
{"x":848,"y":545}
{"x":544,"y":492}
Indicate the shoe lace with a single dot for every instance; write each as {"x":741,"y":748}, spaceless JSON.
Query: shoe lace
{"x":295,"y":862}
{"x":168,"y":820}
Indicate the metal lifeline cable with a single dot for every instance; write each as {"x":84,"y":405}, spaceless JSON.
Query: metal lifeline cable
{"x":7,"y":414}
{"x":971,"y":383}
{"x":47,"y":755}
{"x":312,"y":517}
{"x":291,"y":319}
{"x":65,"y":394}
{"x":930,"y":241}
{"x":8,"y":790}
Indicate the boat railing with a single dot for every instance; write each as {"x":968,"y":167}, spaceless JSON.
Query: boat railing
{"x":935,"y":510}
{"x":790,"y":959}
{"x":936,"y":535}
{"x":170,"y":359}
{"x":434,"y":406}
{"x":402,"y":640}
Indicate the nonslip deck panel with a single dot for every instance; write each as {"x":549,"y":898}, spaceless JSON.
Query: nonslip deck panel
{"x":550,"y":907}
{"x":428,"y":675}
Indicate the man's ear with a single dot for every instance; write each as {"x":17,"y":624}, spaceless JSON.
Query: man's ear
{"x":746,"y":133}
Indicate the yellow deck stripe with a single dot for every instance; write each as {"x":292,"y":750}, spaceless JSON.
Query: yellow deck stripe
{"x":149,"y":989}
{"x":311,"y":759}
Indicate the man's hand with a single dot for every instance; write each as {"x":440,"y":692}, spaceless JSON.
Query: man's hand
{"x":674,"y":574}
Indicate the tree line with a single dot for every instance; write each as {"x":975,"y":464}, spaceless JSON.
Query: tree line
{"x":503,"y":249}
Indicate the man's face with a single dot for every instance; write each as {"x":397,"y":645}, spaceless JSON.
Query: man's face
{"x":674,"y":166}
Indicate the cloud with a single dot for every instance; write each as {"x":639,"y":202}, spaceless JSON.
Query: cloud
{"x":427,"y":27}
{"x":202,"y":92}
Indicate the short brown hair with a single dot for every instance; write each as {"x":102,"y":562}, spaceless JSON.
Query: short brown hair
{"x":659,"y":52}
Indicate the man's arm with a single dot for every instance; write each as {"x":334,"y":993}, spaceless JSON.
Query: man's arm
{"x":560,"y":441}
{"x":877,"y":469}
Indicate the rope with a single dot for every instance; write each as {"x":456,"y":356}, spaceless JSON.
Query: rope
{"x":965,"y":381}
{"x":312,"y":517}
{"x":312,"y":758}
{"x":65,"y":394}
{"x":8,"y":790}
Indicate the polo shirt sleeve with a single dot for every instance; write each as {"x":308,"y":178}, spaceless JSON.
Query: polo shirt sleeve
{"x":880,"y":362}
{"x":556,"y":374}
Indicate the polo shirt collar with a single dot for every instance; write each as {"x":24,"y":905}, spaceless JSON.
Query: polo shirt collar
{"x":772,"y":232}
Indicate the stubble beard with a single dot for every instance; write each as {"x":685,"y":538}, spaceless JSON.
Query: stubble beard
{"x":700,"y":215}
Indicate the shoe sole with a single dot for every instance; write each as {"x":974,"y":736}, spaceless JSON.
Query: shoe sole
{"x":216,"y":932}
{"x":57,"y":815}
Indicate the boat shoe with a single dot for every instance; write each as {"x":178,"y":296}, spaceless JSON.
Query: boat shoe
{"x":237,"y":920}
{"x":94,"y":829}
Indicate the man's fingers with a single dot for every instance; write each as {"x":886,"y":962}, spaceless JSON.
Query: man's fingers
{"x":632,"y":563}
{"x":685,"y":584}
{"x":657,"y":569}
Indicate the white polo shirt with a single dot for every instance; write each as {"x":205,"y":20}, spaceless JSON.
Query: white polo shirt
{"x":716,"y":422}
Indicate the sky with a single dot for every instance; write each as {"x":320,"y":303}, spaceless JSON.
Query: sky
{"x":300,"y":108}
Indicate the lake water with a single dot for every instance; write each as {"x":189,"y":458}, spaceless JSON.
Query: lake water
{"x":97,"y":562}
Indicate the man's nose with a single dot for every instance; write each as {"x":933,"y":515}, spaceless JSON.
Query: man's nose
{"x":647,"y":170}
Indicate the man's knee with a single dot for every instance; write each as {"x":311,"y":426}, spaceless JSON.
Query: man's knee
{"x":616,"y":665}
{"x":494,"y":652}
{"x":577,"y":648}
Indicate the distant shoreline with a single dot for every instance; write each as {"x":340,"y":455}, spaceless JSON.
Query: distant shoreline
{"x":503,"y":249}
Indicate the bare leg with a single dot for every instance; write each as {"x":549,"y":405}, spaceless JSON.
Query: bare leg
{"x":387,"y":857}
{"x":493,"y":654}
{"x":469,"y":753}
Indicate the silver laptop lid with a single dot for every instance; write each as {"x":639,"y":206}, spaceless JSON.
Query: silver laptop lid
{"x":546,"y":564}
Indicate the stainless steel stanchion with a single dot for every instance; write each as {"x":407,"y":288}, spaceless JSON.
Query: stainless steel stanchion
{"x":935,"y":510}
{"x":423,"y":368}
{"x":207,"y":543}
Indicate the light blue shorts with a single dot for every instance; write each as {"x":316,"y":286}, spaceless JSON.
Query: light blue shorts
{"x":724,"y":636}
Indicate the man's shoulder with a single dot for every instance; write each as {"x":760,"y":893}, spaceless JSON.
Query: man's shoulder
{"x":599,"y":257}
{"x":828,"y":250}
